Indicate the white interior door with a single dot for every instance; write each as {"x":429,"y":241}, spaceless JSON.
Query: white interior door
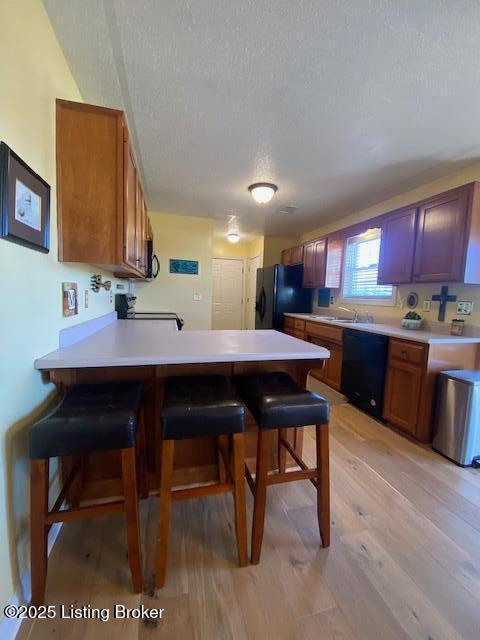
{"x":227,"y":295}
{"x":253,"y":265}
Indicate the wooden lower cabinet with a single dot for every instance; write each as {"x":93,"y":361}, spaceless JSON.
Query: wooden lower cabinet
{"x":331,"y":338}
{"x":402,"y":394}
{"x":333,"y":366}
{"x":411,"y":382}
{"x":411,"y":377}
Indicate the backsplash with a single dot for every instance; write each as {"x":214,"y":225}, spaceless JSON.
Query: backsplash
{"x":393,"y":314}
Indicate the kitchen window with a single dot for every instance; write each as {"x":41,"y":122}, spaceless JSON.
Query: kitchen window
{"x":360,"y":271}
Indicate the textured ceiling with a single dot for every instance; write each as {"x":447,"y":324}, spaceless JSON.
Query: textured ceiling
{"x":340,"y":104}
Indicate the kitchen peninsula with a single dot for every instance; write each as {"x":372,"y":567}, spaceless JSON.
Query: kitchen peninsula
{"x":125,"y":350}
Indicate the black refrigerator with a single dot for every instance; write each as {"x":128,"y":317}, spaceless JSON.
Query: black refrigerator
{"x":279,"y":291}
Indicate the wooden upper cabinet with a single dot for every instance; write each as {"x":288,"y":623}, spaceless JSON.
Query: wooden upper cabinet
{"x":292,"y":255}
{"x":130,"y":207}
{"x":286,"y":257}
{"x":333,"y":269}
{"x":320,"y":261}
{"x":308,"y":263}
{"x":397,"y":247}
{"x":314,"y":263}
{"x":99,"y":219}
{"x":442,"y":238}
{"x":297,"y":254}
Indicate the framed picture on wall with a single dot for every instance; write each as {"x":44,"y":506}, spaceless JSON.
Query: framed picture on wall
{"x":24,"y":203}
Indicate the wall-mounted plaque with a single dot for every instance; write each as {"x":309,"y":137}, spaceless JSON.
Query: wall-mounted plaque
{"x":189,"y":267}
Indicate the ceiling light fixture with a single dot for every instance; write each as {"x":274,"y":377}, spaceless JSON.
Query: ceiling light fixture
{"x":233,"y":238}
{"x":262,"y":192}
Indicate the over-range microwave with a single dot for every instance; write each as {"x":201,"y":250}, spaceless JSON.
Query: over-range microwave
{"x":153,"y":264}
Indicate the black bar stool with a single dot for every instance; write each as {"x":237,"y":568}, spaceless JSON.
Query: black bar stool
{"x":198,"y":406}
{"x":277,"y":402}
{"x":89,"y":419}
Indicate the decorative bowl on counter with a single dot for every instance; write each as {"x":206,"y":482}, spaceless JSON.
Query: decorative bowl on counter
{"x":412,"y":320}
{"x":411,"y":323}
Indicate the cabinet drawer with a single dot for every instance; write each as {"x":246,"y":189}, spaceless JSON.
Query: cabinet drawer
{"x":324,"y":331}
{"x":411,"y":352}
{"x":289,"y":323}
{"x":299,"y":324}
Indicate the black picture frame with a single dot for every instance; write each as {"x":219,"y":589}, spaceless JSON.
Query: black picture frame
{"x":23,"y":194}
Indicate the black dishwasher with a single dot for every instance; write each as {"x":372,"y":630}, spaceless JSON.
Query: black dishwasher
{"x":363,"y":369}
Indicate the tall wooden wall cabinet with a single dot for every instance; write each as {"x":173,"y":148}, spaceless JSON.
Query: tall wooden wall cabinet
{"x":102,"y":215}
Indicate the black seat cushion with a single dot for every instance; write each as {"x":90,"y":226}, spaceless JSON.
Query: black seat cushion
{"x":196,"y":406}
{"x":91,"y":417}
{"x":276,"y":401}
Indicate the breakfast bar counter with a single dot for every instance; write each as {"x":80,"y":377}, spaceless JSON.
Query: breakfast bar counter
{"x":146,"y":350}
{"x":147,"y":343}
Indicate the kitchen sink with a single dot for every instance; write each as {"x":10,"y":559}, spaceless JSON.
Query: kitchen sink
{"x":335,"y":319}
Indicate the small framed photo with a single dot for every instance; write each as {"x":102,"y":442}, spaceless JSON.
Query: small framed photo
{"x":24,"y":203}
{"x":70,"y":298}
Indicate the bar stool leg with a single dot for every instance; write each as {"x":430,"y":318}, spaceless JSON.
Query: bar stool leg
{"x":263,"y":454}
{"x":323,"y":483}
{"x":165,"y":511}
{"x":142,"y":456}
{"x":130,"y":492}
{"x":76,"y":490}
{"x":239,"y":498}
{"x":282,"y":452}
{"x":39,"y":480}
{"x":222,"y":443}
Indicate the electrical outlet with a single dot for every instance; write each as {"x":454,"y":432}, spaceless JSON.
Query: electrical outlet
{"x":197,"y":297}
{"x":464,"y":307}
{"x":111,"y":297}
{"x":85,"y":299}
{"x":427,"y":305}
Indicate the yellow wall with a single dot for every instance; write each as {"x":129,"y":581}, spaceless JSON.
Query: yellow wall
{"x":188,"y":238}
{"x":225,"y":249}
{"x":274,"y":246}
{"x":247,"y":249}
{"x":257,"y":247}
{"x":425,"y":291}
{"x":33,"y":73}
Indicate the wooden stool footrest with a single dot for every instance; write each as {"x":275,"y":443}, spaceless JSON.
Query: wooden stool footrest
{"x":85,"y":512}
{"x":202,"y":491}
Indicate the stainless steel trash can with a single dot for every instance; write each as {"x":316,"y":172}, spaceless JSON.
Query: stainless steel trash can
{"x":457,"y":419}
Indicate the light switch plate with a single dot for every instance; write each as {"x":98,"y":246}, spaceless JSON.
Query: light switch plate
{"x":464,"y":307}
{"x":427,"y":305}
{"x":197,"y":297}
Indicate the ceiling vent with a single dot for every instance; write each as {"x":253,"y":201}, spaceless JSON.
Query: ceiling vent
{"x":287,"y":211}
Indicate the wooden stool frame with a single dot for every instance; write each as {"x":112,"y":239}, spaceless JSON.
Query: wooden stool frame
{"x":319,"y":476}
{"x":41,"y":518}
{"x":231,"y":480}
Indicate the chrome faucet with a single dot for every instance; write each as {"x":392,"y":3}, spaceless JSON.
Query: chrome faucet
{"x":354,"y":311}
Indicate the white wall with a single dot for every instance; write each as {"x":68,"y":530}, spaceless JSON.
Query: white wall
{"x":188,"y":238}
{"x":33,"y":73}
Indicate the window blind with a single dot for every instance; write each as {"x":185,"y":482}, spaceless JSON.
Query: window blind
{"x":361,"y":268}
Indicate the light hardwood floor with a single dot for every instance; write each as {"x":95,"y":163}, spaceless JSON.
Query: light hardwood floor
{"x":404,"y":560}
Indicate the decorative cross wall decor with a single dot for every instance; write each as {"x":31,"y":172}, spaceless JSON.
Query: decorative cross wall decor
{"x":443,"y":298}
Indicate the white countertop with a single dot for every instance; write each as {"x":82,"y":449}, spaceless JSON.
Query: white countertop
{"x":132,"y":343}
{"x":393,"y":331}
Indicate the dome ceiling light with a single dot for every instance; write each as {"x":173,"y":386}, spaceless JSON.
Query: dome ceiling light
{"x":262,"y":192}
{"x":233,"y":238}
